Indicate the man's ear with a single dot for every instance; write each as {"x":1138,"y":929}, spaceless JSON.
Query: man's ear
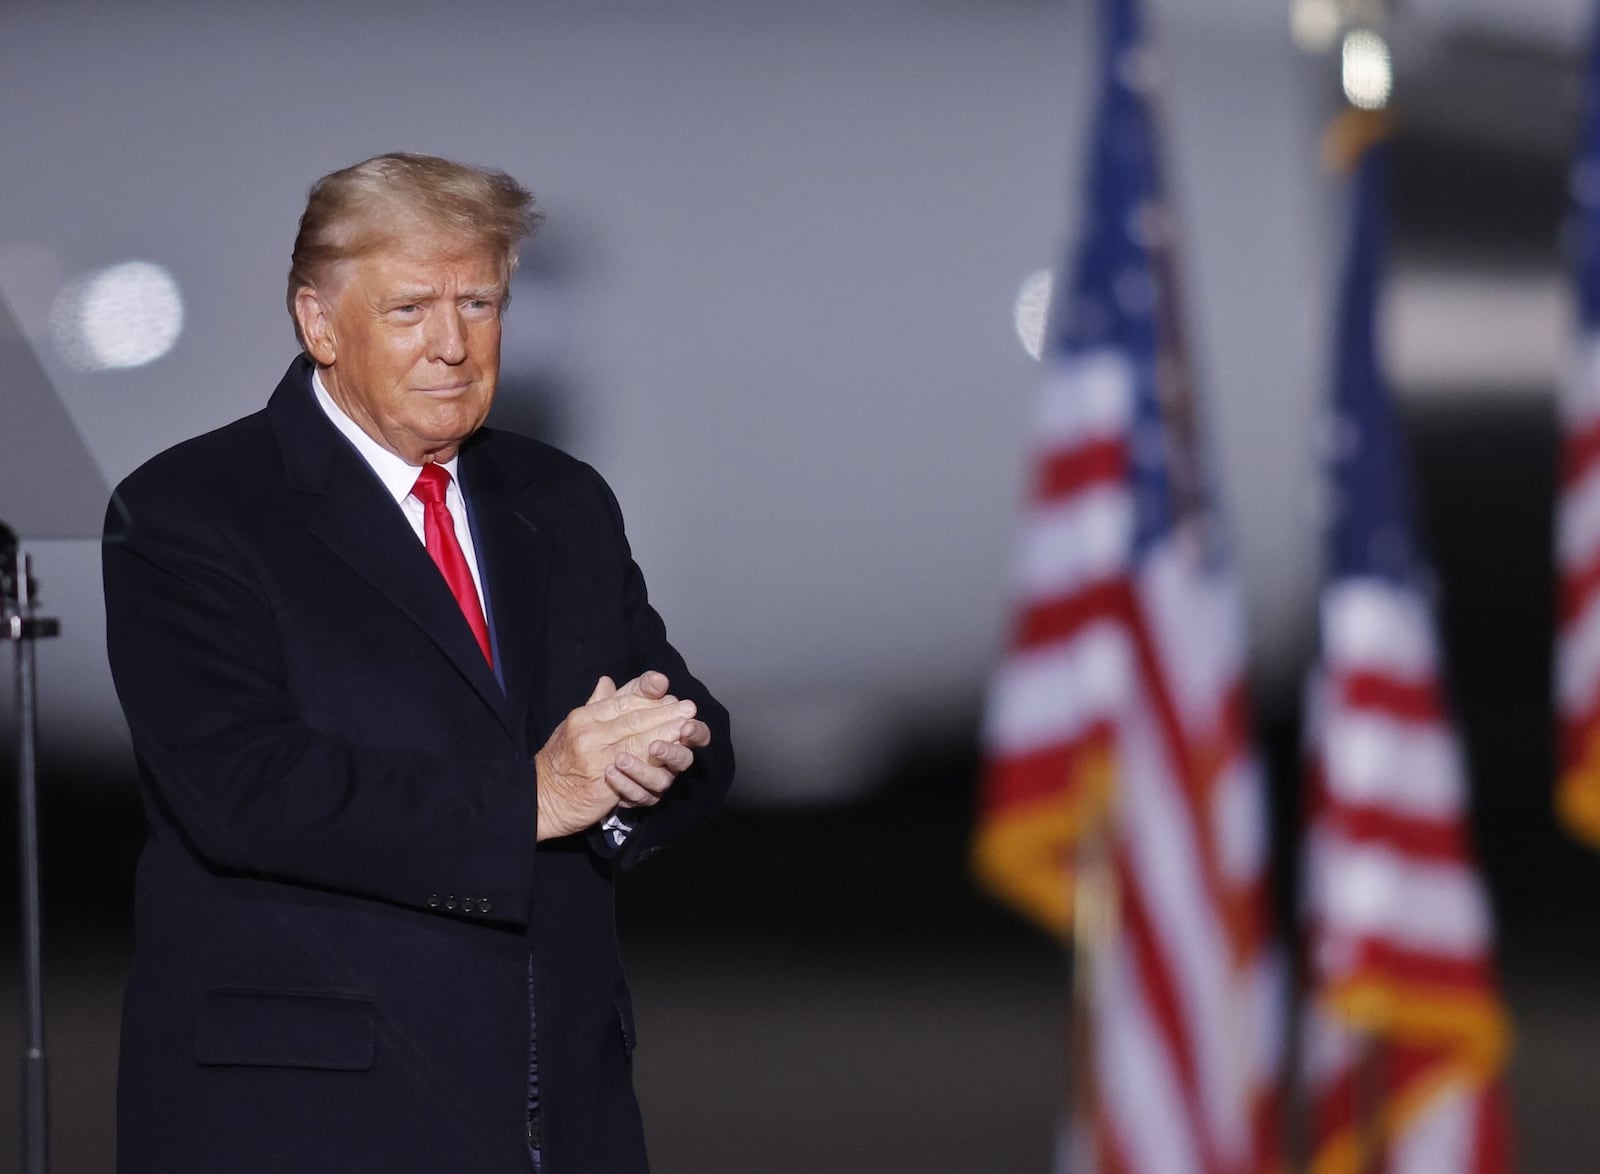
{"x":316,"y":326}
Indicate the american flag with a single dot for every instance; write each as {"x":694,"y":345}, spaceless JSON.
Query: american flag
{"x":1117,"y":737}
{"x":1406,"y":1036}
{"x":1578,"y":506}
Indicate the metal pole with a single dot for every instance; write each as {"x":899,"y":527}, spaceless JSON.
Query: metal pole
{"x":1095,"y":925}
{"x":22,"y":629}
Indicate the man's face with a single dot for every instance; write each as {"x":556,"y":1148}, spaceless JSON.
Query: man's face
{"x":408,"y":339}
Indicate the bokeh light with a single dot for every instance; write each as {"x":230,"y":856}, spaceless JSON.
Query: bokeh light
{"x":1032,"y":310}
{"x":122,"y":316}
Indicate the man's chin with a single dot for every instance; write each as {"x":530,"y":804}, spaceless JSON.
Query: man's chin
{"x":446,"y":438}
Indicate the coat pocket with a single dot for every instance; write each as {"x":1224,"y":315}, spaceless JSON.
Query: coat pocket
{"x":285,"y":1029}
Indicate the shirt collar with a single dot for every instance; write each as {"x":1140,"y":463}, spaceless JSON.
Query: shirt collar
{"x":397,"y":476}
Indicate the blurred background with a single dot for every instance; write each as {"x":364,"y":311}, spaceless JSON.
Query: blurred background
{"x":781,"y":301}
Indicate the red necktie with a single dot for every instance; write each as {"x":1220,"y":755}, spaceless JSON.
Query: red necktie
{"x":439,"y":535}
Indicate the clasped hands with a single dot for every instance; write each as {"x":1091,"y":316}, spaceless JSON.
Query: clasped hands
{"x":621,"y":748}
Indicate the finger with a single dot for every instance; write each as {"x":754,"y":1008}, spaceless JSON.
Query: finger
{"x":629,"y":790}
{"x":668,"y":731}
{"x":619,"y":704}
{"x":651,"y":776}
{"x":650,"y":715}
{"x":649,"y":684}
{"x":695,"y":733}
{"x":674,"y":756}
{"x":603,"y":688}
{"x":646,"y":720}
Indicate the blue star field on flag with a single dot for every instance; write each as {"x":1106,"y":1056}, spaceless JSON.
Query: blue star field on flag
{"x":1369,"y":511}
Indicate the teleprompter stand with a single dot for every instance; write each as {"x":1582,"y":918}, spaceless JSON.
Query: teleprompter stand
{"x":50,"y":488}
{"x":22,"y":628}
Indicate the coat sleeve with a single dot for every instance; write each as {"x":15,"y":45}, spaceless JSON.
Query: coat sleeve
{"x":695,"y":795}
{"x":232,"y":768}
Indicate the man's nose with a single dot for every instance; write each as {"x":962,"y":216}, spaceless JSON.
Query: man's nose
{"x":447,"y":335}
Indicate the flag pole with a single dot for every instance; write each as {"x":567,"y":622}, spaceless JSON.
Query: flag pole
{"x":1094,"y":902}
{"x":1367,"y":1094}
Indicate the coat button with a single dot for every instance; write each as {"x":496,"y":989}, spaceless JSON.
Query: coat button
{"x":483,"y":905}
{"x":450,"y":903}
{"x":433,"y":901}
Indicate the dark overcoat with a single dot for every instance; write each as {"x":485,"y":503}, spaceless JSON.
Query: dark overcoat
{"x":341,"y":896}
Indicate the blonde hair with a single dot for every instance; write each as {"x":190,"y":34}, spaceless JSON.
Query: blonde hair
{"x":363,"y":208}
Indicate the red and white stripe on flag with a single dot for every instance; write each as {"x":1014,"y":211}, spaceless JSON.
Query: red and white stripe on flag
{"x":1055,"y":698}
{"x":1406,"y":1035}
{"x":1578,"y":612}
{"x":1119,"y":713}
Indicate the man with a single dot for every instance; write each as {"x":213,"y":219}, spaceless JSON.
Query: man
{"x":369,"y":652}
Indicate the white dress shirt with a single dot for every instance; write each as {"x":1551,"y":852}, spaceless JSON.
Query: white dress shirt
{"x":399,"y":478}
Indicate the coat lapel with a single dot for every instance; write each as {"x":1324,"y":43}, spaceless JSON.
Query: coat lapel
{"x":346,"y":507}
{"x":513,"y":544}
